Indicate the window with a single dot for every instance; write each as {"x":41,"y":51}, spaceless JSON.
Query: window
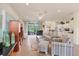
{"x":33,"y":28}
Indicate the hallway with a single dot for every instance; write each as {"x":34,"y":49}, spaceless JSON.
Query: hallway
{"x":56,"y":24}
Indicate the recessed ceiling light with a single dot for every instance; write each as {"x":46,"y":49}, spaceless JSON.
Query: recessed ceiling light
{"x":58,"y":10}
{"x":27,"y":4}
{"x":40,"y":17}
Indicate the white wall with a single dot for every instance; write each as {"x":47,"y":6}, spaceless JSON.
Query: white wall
{"x":76,"y":28}
{"x":49,"y":25}
{"x":74,"y":25}
{"x":9,"y":10}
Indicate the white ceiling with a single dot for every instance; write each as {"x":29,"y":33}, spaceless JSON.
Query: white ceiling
{"x":50,"y":11}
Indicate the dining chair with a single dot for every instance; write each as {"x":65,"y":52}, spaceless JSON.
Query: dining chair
{"x":42,"y":45}
{"x":61,"y":49}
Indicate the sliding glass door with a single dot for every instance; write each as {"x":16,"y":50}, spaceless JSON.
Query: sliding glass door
{"x":33,"y":28}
